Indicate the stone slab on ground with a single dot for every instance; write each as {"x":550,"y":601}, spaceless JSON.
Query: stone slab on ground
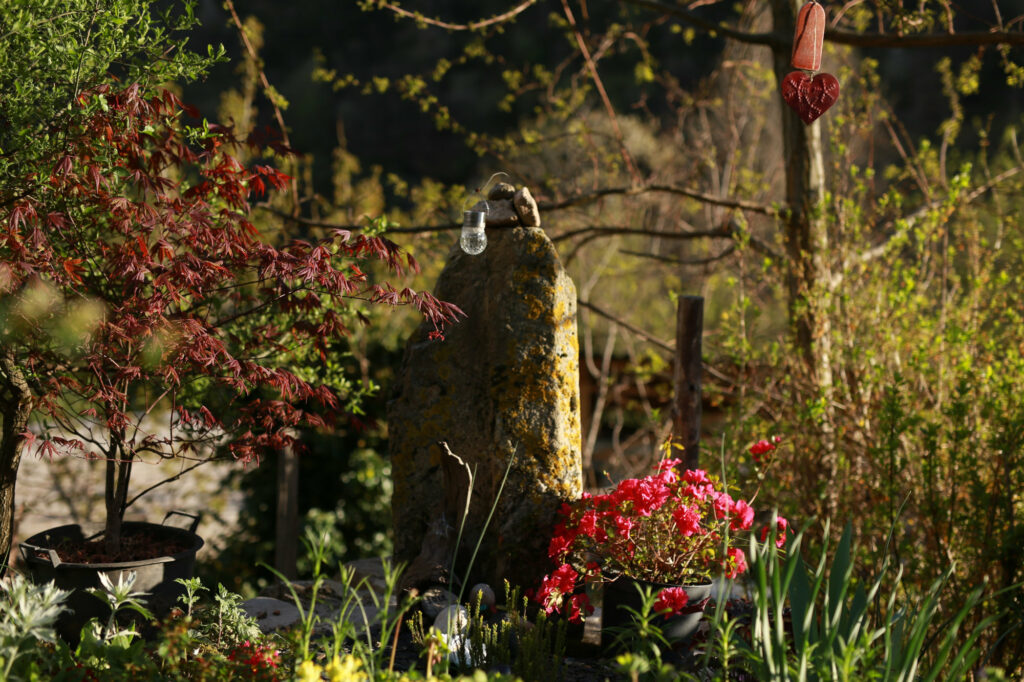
{"x":271,"y":614}
{"x":275,"y":608}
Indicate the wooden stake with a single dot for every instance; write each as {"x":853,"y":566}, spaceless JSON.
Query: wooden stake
{"x":286,"y":547}
{"x":687,"y":377}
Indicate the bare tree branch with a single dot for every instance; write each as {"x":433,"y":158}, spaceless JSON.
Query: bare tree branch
{"x":606,"y":231}
{"x":175,"y":477}
{"x":670,"y":347}
{"x":590,"y":197}
{"x":679,"y":261}
{"x":964,"y":38}
{"x":626,"y":325}
{"x":778,"y":41}
{"x":592,"y":67}
{"x":774,"y":40}
{"x":471,"y":26}
{"x":309,"y":222}
{"x":268,"y":92}
{"x":911,"y":219}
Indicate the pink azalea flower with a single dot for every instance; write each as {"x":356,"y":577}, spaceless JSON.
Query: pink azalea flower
{"x":736,"y":563}
{"x":554,"y":586}
{"x":667,"y":470}
{"x":781,"y":525}
{"x":561,"y":541}
{"x":671,"y":601}
{"x":565,"y":578}
{"x":687,"y":520}
{"x":762,"y":449}
{"x":696,"y":476}
{"x":667,"y":464}
{"x":742,"y":516}
{"x":698,"y":492}
{"x":623,"y":524}
{"x":722,"y":503}
{"x":578,"y":605}
{"x":588,"y":524}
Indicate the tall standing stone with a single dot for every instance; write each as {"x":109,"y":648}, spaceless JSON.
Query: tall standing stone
{"x":504,"y":380}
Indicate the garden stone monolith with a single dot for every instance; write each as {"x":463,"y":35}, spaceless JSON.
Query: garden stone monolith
{"x":505,"y":379}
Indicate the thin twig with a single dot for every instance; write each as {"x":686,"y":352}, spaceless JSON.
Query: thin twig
{"x":471,"y":26}
{"x":911,"y":219}
{"x":590,"y":197}
{"x":608,"y":231}
{"x":626,"y":325}
{"x":964,"y":38}
{"x":679,"y":261}
{"x":166,"y":480}
{"x":592,"y":67}
{"x":774,"y":40}
{"x":267,"y":92}
{"x":779,"y":41}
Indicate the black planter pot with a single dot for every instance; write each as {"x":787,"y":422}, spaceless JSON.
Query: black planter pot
{"x":622,"y":592}
{"x":155,"y":577}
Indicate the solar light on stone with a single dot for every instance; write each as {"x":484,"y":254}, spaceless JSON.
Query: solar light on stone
{"x":473,"y":240}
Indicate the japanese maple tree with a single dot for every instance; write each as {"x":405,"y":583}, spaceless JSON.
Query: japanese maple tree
{"x":148,"y":317}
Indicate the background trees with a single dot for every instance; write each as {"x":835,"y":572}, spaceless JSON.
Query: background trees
{"x":868,"y":309}
{"x":862,"y":274}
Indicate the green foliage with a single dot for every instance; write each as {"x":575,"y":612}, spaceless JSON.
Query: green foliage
{"x":119,"y":597}
{"x":533,"y":651}
{"x":344,"y":494}
{"x":28,"y":615}
{"x":840,"y":627}
{"x":53,"y":50}
{"x":642,"y":636}
{"x":207,"y":645}
{"x":367,"y":652}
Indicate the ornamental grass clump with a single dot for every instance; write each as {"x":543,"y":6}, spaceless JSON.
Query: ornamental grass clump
{"x":672,"y":527}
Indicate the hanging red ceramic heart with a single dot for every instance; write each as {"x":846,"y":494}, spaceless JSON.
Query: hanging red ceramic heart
{"x":810,"y":97}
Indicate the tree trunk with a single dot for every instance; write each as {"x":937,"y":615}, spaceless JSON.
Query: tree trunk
{"x":119,"y":472}
{"x":15,"y":408}
{"x":807,"y":240}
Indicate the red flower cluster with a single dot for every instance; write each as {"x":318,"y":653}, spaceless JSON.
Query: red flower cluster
{"x":670,"y":527}
{"x":671,"y":601}
{"x":781,"y":526}
{"x":762,"y":449}
{"x":562,"y":583}
{"x":260,"y":661}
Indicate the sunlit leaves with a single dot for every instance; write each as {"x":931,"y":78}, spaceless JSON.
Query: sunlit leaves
{"x":168,"y":287}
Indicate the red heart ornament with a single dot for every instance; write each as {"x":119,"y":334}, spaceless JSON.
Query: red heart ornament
{"x":810,"y":97}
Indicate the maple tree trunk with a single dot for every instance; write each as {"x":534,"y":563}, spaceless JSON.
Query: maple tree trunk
{"x":119,"y":469}
{"x":15,"y":408}
{"x":807,"y":240}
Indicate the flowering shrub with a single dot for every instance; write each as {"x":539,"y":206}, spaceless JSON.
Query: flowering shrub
{"x":258,"y":661}
{"x":670,"y":527}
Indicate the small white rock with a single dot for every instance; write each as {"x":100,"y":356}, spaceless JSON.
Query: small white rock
{"x":452,"y":620}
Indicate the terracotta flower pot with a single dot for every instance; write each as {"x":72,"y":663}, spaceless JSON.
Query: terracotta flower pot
{"x":155,"y":576}
{"x":622,"y":592}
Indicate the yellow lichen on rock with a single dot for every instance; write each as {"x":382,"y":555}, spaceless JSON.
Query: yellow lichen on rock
{"x":506,"y":379}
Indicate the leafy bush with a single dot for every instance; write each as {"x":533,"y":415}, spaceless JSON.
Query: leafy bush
{"x":821,"y":622}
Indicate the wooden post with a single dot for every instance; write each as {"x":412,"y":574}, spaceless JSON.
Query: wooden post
{"x":686,"y":410}
{"x":286,"y":546}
